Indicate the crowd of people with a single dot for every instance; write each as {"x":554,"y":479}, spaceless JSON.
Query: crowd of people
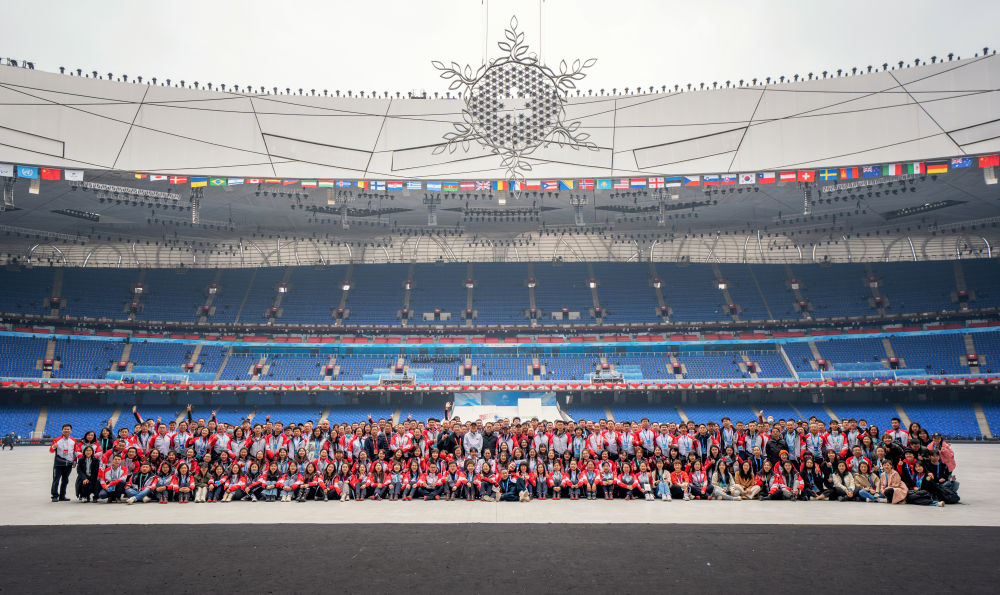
{"x":205,"y":460}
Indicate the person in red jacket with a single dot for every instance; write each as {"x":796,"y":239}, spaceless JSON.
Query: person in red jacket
{"x":113,"y":481}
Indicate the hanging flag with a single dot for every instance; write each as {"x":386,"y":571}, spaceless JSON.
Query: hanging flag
{"x":76,"y":175}
{"x":848,"y":173}
{"x":940,"y":167}
{"x":51,"y":174}
{"x":140,"y":176}
{"x":871,"y":171}
{"x":7,"y":170}
{"x":748,"y":178}
{"x":766,"y":177}
{"x":692,"y":180}
{"x":637,"y":183}
{"x":325,"y":183}
{"x":272,"y":181}
{"x":434,"y":186}
{"x":914,"y":168}
{"x":585,"y":184}
{"x":989,"y":161}
{"x":605,"y":184}
{"x":467,"y":185}
{"x":309,"y":184}
{"x":550,"y":185}
{"x":362,"y":184}
{"x":727,"y":179}
{"x":566,"y":184}
{"x":450,"y":186}
{"x":482,"y":185}
{"x":414,"y":185}
{"x":343,"y":183}
{"x":394,"y":185}
{"x":621,"y":184}
{"x":672,"y":181}
{"x":289,"y":182}
{"x":893,"y":169}
{"x":178,"y":179}
{"x":807,"y":176}
{"x":787,"y":176}
{"x":199,"y":182}
{"x":217,"y":182}
{"x":712,"y":180}
{"x":501,"y":185}
{"x":30,"y":173}
{"x":828,"y":174}
{"x":377,"y":185}
{"x":533,"y":185}
{"x":152,"y":178}
{"x":234,"y":181}
{"x":655,"y":182}
{"x":255,"y":181}
{"x":960,"y":162}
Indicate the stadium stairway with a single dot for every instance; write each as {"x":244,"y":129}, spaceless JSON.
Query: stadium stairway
{"x":903,"y":416}
{"x":43,"y":417}
{"x":725,"y":292}
{"x":984,"y":425}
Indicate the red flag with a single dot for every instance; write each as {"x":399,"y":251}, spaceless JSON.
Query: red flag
{"x":989,"y":161}
{"x":178,"y":179}
{"x":807,"y":176}
{"x":51,"y":174}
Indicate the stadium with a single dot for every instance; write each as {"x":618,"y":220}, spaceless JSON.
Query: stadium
{"x":507,"y":260}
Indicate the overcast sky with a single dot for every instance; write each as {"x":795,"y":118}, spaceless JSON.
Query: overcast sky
{"x":387,"y":45}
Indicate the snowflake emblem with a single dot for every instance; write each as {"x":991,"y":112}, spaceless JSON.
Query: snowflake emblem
{"x":514,"y":105}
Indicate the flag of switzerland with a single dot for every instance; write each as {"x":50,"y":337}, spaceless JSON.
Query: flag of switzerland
{"x":807,"y":176}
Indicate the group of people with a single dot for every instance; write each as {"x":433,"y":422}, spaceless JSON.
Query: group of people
{"x":206,"y":460}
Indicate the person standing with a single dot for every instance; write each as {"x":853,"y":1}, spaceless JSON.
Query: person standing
{"x":64,"y":448}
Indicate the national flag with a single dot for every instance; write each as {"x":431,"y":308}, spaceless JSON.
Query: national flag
{"x":178,"y":180}
{"x":152,"y":178}
{"x":289,"y":182}
{"x":828,"y":174}
{"x":787,"y":176}
{"x":394,"y":185}
{"x":807,"y":175}
{"x":637,"y":182}
{"x":914,"y":168}
{"x":692,"y":180}
{"x":363,"y":184}
{"x":482,"y":185}
{"x":51,"y":174}
{"x":566,"y":184}
{"x":848,"y":173}
{"x":76,"y":175}
{"x":893,"y":169}
{"x":199,"y":182}
{"x":30,"y":173}
{"x":727,"y":179}
{"x":377,"y":185}
{"x":450,"y":186}
{"x":605,"y":184}
{"x":655,"y":182}
{"x":941,"y":167}
{"x":672,"y":181}
{"x":533,"y":185}
{"x":139,"y":176}
{"x":501,"y":185}
{"x":343,"y":184}
{"x":871,"y":171}
{"x":217,"y":182}
{"x":585,"y":184}
{"x":272,"y":181}
{"x":748,"y":178}
{"x":766,"y":177}
{"x":309,"y":184}
{"x":620,"y":184}
{"x":7,"y":170}
{"x":325,"y":183}
{"x":960,"y":162}
{"x":989,"y":161}
{"x":467,"y":185}
{"x":414,"y":185}
{"x":234,"y":181}
{"x":434,"y":186}
{"x":550,"y":185}
{"x":255,"y":181}
{"x":712,"y":180}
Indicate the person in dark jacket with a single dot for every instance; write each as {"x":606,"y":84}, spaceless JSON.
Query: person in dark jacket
{"x":775,"y":445}
{"x":511,"y":488}
{"x":446,"y":442}
{"x":88,"y":468}
{"x":490,"y":438}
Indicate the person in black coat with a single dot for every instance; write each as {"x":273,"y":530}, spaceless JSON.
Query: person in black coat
{"x":88,"y":483}
{"x":510,"y":487}
{"x":775,"y":444}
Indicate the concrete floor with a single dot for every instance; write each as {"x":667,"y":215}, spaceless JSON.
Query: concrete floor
{"x":27,"y":477}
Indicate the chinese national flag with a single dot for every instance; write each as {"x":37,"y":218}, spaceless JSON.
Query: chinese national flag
{"x":989,"y":161}
{"x":51,"y":174}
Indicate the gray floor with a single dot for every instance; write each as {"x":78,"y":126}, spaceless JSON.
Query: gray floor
{"x":27,"y":477}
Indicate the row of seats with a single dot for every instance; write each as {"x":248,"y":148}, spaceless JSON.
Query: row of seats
{"x":501,"y":296}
